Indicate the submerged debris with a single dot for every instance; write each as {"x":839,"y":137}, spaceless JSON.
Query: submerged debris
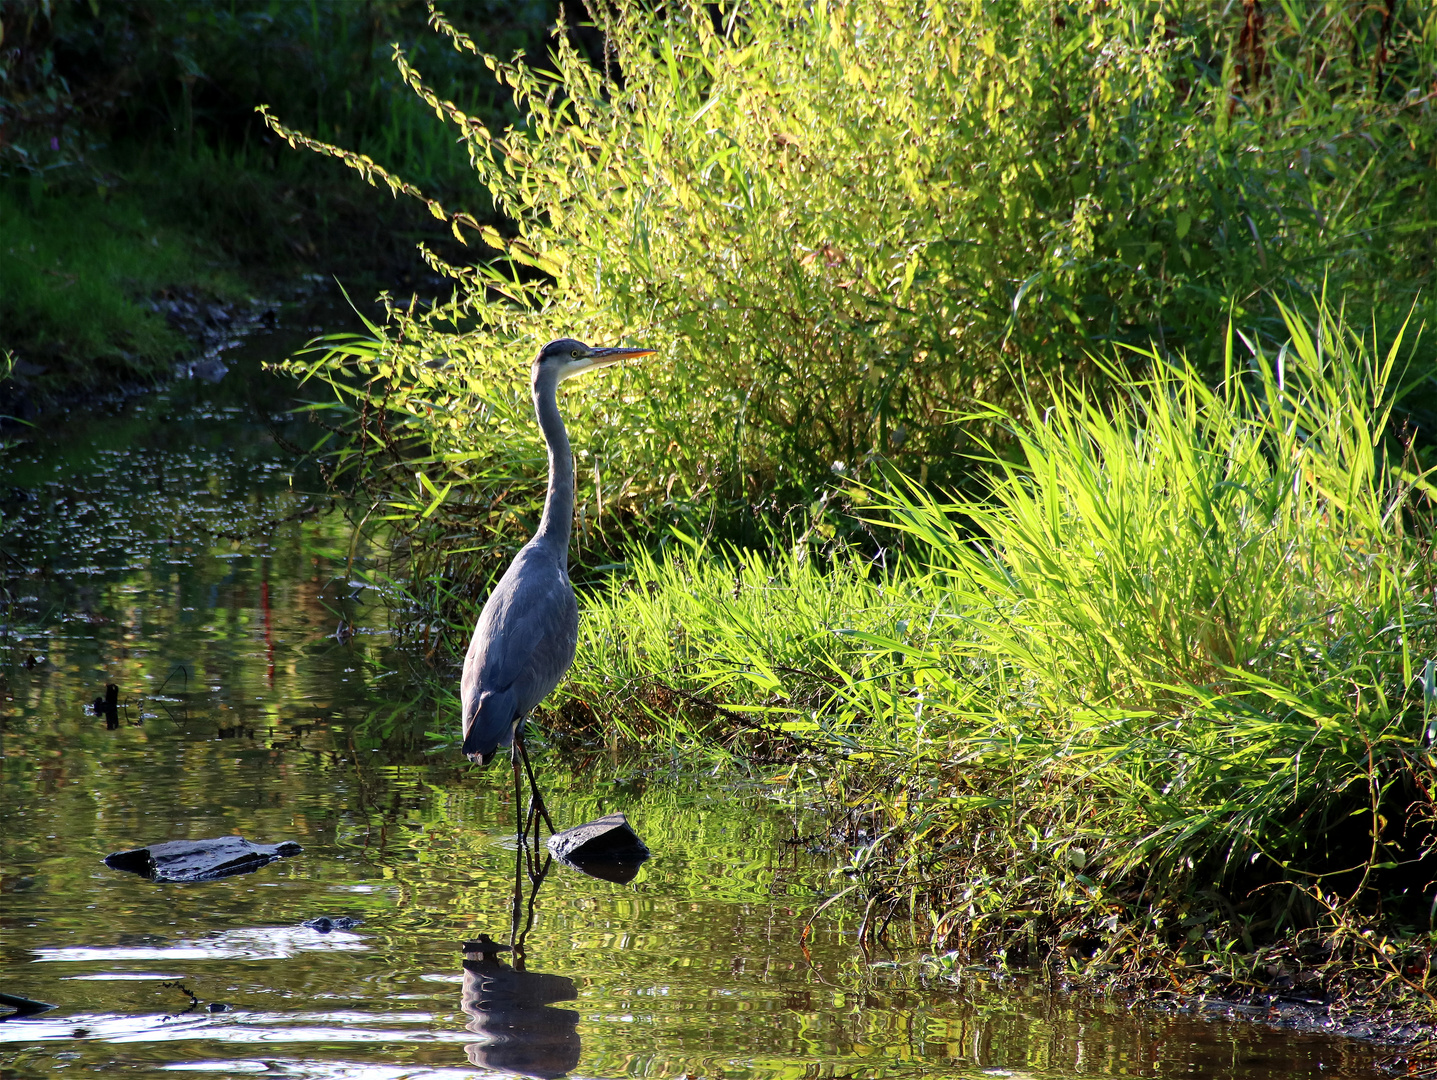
{"x":108,"y":706}
{"x":324,"y":924}
{"x":24,"y":1006}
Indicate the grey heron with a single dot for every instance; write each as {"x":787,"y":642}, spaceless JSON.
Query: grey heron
{"x":526,"y":635}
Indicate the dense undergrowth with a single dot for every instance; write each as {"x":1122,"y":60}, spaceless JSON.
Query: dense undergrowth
{"x":844,"y":225}
{"x":1103,"y":619}
{"x":1184,"y":647}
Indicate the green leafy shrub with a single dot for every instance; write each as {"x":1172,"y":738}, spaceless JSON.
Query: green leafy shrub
{"x":845,"y":223}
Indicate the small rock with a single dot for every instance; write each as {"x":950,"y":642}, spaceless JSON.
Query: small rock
{"x":200,"y":860}
{"x":604,"y":848}
{"x":324,"y":924}
{"x":209,"y":368}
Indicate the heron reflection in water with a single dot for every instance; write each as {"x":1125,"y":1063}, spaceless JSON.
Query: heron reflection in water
{"x":508,"y":1005}
{"x":526,"y":635}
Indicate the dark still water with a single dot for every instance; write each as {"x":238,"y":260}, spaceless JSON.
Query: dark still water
{"x":174,"y":548}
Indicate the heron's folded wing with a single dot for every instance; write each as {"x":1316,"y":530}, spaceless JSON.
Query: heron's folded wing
{"x":530,"y":628}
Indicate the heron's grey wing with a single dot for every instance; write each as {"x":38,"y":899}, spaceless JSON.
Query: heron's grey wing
{"x":522,"y":646}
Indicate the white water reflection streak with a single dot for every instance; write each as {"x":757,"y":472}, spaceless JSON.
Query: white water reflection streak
{"x":257,"y":943}
{"x":235,"y":1027}
{"x":328,"y":1070}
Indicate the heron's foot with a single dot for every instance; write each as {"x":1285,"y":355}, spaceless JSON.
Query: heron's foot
{"x":536,"y":801}
{"x":538,"y":807}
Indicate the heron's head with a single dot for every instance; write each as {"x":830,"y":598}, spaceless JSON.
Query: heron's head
{"x":566,"y":358}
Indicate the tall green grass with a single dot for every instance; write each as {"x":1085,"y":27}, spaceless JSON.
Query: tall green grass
{"x":1186,"y":642}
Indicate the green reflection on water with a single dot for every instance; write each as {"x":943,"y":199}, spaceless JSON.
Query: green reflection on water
{"x":169,"y":547}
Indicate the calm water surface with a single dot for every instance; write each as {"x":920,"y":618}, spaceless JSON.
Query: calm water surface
{"x":171,"y":546}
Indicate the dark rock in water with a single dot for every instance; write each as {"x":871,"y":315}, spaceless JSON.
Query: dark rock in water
{"x":108,"y":706}
{"x":24,"y":1006}
{"x":324,"y":924}
{"x":603,"y":838}
{"x":603,"y":848}
{"x":199,"y":860}
{"x":485,"y":947}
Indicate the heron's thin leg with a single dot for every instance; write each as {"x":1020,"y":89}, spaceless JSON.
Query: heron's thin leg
{"x":521,"y":825}
{"x":534,"y":882}
{"x":531,"y":854}
{"x":538,"y":798}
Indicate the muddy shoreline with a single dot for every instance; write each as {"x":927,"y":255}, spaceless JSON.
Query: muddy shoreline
{"x":212,"y":326}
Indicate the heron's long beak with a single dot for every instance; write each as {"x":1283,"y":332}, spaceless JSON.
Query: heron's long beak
{"x":601,"y":357}
{"x":596,"y":358}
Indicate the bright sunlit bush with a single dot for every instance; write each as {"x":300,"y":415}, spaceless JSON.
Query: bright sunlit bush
{"x":1186,"y":640}
{"x":843,"y":223}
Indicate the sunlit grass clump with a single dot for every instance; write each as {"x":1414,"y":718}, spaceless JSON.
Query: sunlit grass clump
{"x":1186,"y":640}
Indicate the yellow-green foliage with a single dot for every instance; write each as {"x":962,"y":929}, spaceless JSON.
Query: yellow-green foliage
{"x":1217,"y":604}
{"x":1192,"y":630}
{"x":1191,"y":626}
{"x":776,"y":640}
{"x":841,"y":223}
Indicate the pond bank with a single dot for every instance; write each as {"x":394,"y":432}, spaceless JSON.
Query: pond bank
{"x":1154,"y":714}
{"x":169,"y":547}
{"x":110,"y":291}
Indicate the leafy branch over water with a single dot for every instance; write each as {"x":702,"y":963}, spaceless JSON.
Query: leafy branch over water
{"x":841,"y":236}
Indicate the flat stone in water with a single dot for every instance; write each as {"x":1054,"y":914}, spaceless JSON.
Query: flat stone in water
{"x":24,"y":1006}
{"x":199,"y":860}
{"x":603,"y":848}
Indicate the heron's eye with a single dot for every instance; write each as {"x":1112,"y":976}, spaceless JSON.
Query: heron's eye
{"x":575,"y":354}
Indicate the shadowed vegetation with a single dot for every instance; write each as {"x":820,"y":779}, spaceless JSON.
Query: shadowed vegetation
{"x":130,"y":151}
